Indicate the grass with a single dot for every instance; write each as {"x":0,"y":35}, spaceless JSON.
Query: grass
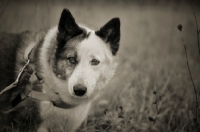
{"x":151,"y":90}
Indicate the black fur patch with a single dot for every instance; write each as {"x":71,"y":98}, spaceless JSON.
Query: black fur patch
{"x":110,"y":33}
{"x":68,"y":36}
{"x":67,"y":28}
{"x":61,"y":61}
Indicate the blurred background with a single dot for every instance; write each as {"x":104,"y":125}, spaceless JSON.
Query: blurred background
{"x":152,"y":89}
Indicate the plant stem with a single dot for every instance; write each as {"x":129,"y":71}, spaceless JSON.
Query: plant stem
{"x":197,"y":32}
{"x":195,"y":92}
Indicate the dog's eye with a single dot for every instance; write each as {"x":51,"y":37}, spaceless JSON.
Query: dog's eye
{"x":94,"y":62}
{"x":72,"y":60}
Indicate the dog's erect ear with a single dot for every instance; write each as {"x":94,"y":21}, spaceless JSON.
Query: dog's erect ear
{"x":110,"y":33}
{"x":67,"y":26}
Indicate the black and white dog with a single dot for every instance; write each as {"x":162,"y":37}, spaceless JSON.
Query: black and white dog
{"x":74,"y":62}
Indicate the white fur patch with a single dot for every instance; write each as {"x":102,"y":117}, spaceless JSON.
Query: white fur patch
{"x":47,"y":42}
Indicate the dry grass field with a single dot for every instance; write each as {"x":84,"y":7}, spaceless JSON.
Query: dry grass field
{"x":151,"y":90}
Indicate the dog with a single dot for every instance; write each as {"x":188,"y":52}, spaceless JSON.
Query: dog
{"x":74,"y":63}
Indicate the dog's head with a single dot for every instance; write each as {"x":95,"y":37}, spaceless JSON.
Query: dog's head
{"x":82,"y":60}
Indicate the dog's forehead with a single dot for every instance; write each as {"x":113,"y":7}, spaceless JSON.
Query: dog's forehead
{"x":92,"y":45}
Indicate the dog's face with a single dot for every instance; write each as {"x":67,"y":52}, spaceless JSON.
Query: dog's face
{"x":84,"y":59}
{"x":92,"y":68}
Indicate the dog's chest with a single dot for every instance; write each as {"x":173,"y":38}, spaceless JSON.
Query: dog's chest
{"x":58,"y":119}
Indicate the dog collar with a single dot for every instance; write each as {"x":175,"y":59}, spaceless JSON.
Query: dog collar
{"x":54,"y":98}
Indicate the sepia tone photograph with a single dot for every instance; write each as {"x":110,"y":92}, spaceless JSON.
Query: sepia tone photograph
{"x":99,"y":66}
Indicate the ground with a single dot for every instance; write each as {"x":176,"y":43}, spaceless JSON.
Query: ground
{"x":152,"y":88}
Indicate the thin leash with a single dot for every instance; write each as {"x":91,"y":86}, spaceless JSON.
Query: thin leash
{"x":29,"y":92}
{"x":14,"y":84}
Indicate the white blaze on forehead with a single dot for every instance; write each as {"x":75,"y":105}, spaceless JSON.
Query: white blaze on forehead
{"x":93,"y":46}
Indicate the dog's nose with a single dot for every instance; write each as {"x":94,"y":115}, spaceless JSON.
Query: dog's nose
{"x":79,"y":90}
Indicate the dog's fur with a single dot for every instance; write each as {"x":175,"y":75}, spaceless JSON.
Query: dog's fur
{"x":67,"y":56}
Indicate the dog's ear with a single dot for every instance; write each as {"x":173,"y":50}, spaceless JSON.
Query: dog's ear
{"x":110,"y":33}
{"x":67,"y":26}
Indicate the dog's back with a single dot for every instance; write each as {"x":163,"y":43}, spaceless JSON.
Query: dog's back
{"x":9,"y":44}
{"x":25,"y":116}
